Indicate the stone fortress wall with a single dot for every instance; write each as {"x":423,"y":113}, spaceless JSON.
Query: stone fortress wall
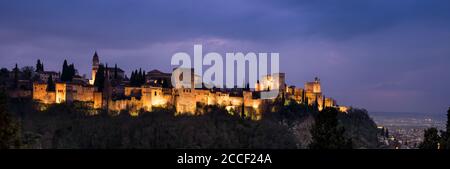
{"x":120,"y":97}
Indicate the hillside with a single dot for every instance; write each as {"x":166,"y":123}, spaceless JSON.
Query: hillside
{"x":70,"y":126}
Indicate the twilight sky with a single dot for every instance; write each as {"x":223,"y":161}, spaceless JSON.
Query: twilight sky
{"x":381,"y":55}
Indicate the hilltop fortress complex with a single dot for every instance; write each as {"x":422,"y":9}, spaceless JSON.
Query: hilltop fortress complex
{"x":119,"y":95}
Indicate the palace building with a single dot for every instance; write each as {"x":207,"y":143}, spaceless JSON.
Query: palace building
{"x":118,"y":95}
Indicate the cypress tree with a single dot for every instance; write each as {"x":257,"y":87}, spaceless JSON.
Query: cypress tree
{"x":107,"y":75}
{"x":306,"y":104}
{"x":139,"y":77}
{"x":100,"y":78}
{"x":115,"y":71}
{"x":71,"y":72}
{"x":316,"y":103}
{"x":323,"y":102}
{"x":132,"y":78}
{"x":50,"y":84}
{"x":68,"y":72}
{"x":16,"y":77}
{"x":39,"y":66}
{"x":64,"y":74}
{"x":136,"y":78}
{"x":243,"y":111}
{"x":303,"y":96}
{"x":143,"y":78}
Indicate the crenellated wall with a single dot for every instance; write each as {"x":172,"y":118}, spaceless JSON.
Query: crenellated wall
{"x":185,"y":100}
{"x":41,"y":94}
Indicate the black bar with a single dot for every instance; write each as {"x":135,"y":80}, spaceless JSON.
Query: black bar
{"x":278,"y":158}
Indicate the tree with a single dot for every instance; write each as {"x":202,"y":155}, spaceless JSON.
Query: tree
{"x":4,"y":72}
{"x":16,"y":77}
{"x":131,"y":78}
{"x":323,"y":102}
{"x":316,"y":103}
{"x":431,"y":139}
{"x":39,"y":66}
{"x":383,"y":131}
{"x":304,"y":97}
{"x":27,"y":72}
{"x":64,"y":74}
{"x":445,"y":135}
{"x":448,"y":121}
{"x":9,"y":128}
{"x":326,"y":134}
{"x":243,"y":110}
{"x":68,"y":72}
{"x":143,"y":78}
{"x":100,"y":78}
{"x":50,"y":84}
{"x":386,"y":133}
{"x":137,"y":77}
{"x":306,"y":102}
{"x":115,"y":71}
{"x":71,"y":72}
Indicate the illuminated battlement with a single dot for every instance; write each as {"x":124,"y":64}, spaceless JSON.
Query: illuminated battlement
{"x":156,"y":92}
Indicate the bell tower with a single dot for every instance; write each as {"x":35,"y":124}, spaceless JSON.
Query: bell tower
{"x":317,"y":88}
{"x":95,"y":64}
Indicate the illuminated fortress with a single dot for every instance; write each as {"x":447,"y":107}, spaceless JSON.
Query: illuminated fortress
{"x":119,"y":95}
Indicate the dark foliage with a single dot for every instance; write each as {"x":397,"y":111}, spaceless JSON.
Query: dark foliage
{"x":69,"y":126}
{"x":137,"y":78}
{"x":446,"y":134}
{"x":68,"y":72}
{"x":50,"y":84}
{"x":100,"y":78}
{"x":74,"y":126}
{"x":16,"y":77}
{"x":286,"y":112}
{"x":431,"y":139}
{"x":9,"y":128}
{"x":448,"y":120}
{"x":360,"y":128}
{"x":39,"y":66}
{"x":115,"y":71}
{"x":326,"y":134}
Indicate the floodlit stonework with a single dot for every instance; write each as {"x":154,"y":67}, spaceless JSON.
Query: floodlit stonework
{"x":118,"y":95}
